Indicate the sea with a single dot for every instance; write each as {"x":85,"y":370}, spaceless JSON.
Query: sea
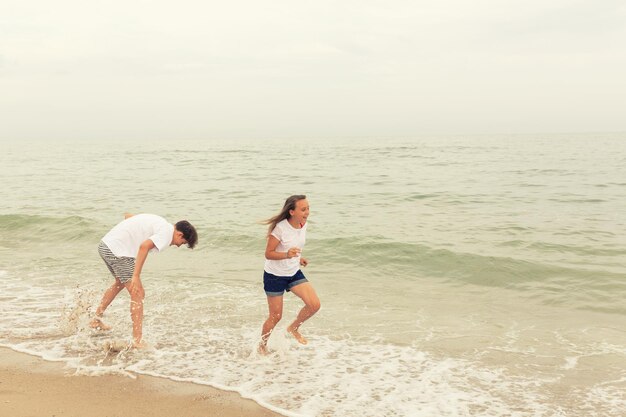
{"x":458,"y":275}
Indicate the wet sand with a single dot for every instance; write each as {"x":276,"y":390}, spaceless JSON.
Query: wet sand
{"x":33,"y":387}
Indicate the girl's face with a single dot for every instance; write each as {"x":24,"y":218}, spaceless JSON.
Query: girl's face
{"x":301,"y":212}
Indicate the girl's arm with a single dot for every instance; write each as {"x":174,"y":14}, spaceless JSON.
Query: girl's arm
{"x":270,"y":250}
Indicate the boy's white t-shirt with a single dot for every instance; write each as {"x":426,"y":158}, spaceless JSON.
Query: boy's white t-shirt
{"x":288,"y":237}
{"x":127,"y":236}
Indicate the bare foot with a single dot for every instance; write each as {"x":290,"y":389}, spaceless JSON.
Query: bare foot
{"x":116,"y":346}
{"x":97,"y":324}
{"x":140,"y":345}
{"x":295,"y":333}
{"x":262,"y":349}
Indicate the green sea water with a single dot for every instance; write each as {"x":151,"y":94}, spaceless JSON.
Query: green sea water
{"x":459,"y":276}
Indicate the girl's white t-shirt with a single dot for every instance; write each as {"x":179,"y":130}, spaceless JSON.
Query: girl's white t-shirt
{"x":288,"y":237}
{"x":127,"y":236}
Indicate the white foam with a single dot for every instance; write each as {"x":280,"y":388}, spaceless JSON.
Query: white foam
{"x":570,"y":362}
{"x":607,"y":399}
{"x":208,"y":340}
{"x":339,"y":378}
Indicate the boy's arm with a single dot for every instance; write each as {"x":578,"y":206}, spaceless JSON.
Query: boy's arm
{"x":142,"y":254}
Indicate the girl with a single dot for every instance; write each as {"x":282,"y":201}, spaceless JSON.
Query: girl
{"x":285,"y":238}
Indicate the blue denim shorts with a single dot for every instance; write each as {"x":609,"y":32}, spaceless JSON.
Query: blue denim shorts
{"x":275,"y":285}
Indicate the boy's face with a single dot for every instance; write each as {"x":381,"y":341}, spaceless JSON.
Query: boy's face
{"x":178,"y":239}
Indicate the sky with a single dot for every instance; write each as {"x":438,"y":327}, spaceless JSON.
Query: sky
{"x":185,"y":69}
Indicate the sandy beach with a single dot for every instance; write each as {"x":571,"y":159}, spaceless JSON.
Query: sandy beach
{"x":33,"y":387}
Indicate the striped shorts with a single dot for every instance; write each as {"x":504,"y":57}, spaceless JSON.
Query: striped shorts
{"x":121,"y":267}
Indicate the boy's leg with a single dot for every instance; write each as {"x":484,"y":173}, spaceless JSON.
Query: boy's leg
{"x":311,"y":305}
{"x":275,"y":306}
{"x":136,"y":314}
{"x":107,"y":298}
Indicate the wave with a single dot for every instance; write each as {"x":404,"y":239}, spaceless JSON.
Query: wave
{"x":576,"y":285}
{"x":469,"y":267}
{"x":384,"y":256}
{"x":40,"y":228}
{"x":377,"y":253}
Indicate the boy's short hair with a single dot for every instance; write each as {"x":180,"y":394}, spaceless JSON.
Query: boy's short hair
{"x":189,"y":232}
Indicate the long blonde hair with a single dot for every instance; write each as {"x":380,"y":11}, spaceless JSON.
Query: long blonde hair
{"x":290,"y":204}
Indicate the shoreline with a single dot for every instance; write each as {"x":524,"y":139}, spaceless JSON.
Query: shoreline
{"x":31,"y":386}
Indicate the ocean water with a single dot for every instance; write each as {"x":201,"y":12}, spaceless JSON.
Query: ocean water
{"x":459,"y":276}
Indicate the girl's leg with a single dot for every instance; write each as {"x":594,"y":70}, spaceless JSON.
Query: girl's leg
{"x":275,"y":306}
{"x":311,"y":305}
{"x":107,"y":298}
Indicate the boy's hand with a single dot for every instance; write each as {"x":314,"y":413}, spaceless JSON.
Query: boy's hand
{"x":304,"y":262}
{"x":136,"y":288}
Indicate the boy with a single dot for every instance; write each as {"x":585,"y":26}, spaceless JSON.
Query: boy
{"x":125,"y":249}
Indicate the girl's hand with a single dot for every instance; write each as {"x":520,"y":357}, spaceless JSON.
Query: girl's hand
{"x":303,"y":262}
{"x":293,"y":252}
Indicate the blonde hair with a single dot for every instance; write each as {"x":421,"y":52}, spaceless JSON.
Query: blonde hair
{"x":290,"y":204}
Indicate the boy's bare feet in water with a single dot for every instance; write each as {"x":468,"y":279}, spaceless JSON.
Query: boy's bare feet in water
{"x":262,"y":349}
{"x":97,"y":324}
{"x":140,"y":345}
{"x":295,"y":333}
{"x":116,"y":346}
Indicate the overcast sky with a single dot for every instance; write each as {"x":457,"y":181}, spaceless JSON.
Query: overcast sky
{"x":304,"y":69}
